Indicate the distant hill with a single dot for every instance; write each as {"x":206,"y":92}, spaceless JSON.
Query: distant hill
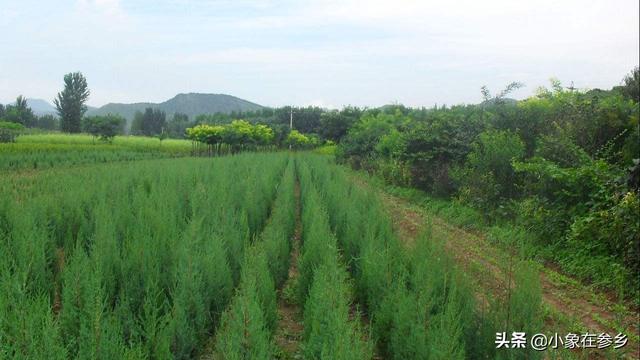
{"x":41,"y":107}
{"x":192,"y":104}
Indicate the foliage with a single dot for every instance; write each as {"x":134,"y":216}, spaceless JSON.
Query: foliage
{"x":630,"y":87}
{"x":237,"y":135}
{"x":552,"y":163}
{"x":297,"y":140}
{"x":9,"y":131}
{"x":70,"y":103}
{"x":47,"y":122}
{"x":20,"y":113}
{"x":83,"y":282}
{"x":53,"y":150}
{"x":150,"y":123}
{"x":104,"y":127}
{"x":589,"y":240}
{"x":335,"y":124}
{"x":488,"y":176}
{"x":177,"y":126}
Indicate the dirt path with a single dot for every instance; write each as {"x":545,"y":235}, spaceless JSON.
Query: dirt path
{"x":290,"y":327}
{"x":569,"y":305}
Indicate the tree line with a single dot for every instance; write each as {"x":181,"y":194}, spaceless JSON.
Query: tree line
{"x":561,"y":168}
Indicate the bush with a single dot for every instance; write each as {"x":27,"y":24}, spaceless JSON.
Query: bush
{"x":104,"y":127}
{"x":488,"y":178}
{"x":613,"y":233}
{"x":9,"y":131}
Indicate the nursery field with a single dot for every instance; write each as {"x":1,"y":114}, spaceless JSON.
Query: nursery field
{"x":250,"y":256}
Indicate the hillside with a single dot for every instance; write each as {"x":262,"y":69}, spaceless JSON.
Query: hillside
{"x":41,"y":107}
{"x":191,"y":104}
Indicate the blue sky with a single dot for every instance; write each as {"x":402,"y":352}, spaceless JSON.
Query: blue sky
{"x":327,"y":53}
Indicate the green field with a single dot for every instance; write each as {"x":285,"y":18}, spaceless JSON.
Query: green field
{"x":50,"y":150}
{"x":192,"y":258}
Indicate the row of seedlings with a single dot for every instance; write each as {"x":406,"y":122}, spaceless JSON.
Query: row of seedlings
{"x":127,"y":260}
{"x":421,"y":306}
{"x":323,"y":286}
{"x":249,"y":323}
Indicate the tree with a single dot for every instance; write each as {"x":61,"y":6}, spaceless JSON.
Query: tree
{"x":47,"y":122}
{"x":631,"y":85}
{"x":70,"y":103}
{"x":298,"y":140}
{"x":105,"y":127}
{"x":334,"y":125}
{"x":177,"y":125}
{"x":9,"y":131}
{"x":20,"y":112}
{"x":149,"y":123}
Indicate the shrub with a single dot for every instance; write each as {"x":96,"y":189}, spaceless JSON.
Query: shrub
{"x":488,"y":178}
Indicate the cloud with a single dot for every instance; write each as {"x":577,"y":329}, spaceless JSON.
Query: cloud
{"x":349,"y":51}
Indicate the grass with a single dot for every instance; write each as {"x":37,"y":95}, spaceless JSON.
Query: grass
{"x":133,"y":142}
{"x":50,"y":150}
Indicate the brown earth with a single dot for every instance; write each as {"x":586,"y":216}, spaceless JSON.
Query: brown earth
{"x":290,"y":327}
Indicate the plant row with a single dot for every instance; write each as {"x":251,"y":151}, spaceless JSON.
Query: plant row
{"x":248,"y":325}
{"x":123,"y":261}
{"x":419,"y":304}
{"x":324,"y":289}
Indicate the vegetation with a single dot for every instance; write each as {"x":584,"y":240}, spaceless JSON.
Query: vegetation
{"x":556,"y":165}
{"x":150,"y":123}
{"x":92,"y":285}
{"x":70,"y":103}
{"x":9,"y":131}
{"x":37,"y":151}
{"x":104,"y":127}
{"x":175,"y":258}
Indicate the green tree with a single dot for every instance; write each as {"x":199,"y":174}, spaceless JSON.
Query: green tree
{"x":177,"y":125}
{"x":631,"y":85}
{"x":105,"y":127}
{"x":9,"y":131}
{"x":149,"y":123}
{"x":20,"y":113}
{"x":47,"y":122}
{"x":70,"y":103}
{"x":335,"y":124}
{"x":297,"y":140}
{"x":488,"y":176}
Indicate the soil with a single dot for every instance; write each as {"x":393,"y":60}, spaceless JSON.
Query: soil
{"x":290,"y":327}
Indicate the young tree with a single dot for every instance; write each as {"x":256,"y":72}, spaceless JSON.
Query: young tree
{"x":70,"y":103}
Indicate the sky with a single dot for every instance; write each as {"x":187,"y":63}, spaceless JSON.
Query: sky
{"x":327,"y":53}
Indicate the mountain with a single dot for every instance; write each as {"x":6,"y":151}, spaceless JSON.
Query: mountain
{"x":192,"y":104}
{"x":41,"y":107}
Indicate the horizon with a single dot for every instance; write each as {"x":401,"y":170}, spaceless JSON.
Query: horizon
{"x":329,"y":54}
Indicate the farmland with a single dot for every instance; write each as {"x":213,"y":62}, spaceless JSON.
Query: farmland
{"x":159,"y":259}
{"x":52,"y":150}
{"x":192,"y":258}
